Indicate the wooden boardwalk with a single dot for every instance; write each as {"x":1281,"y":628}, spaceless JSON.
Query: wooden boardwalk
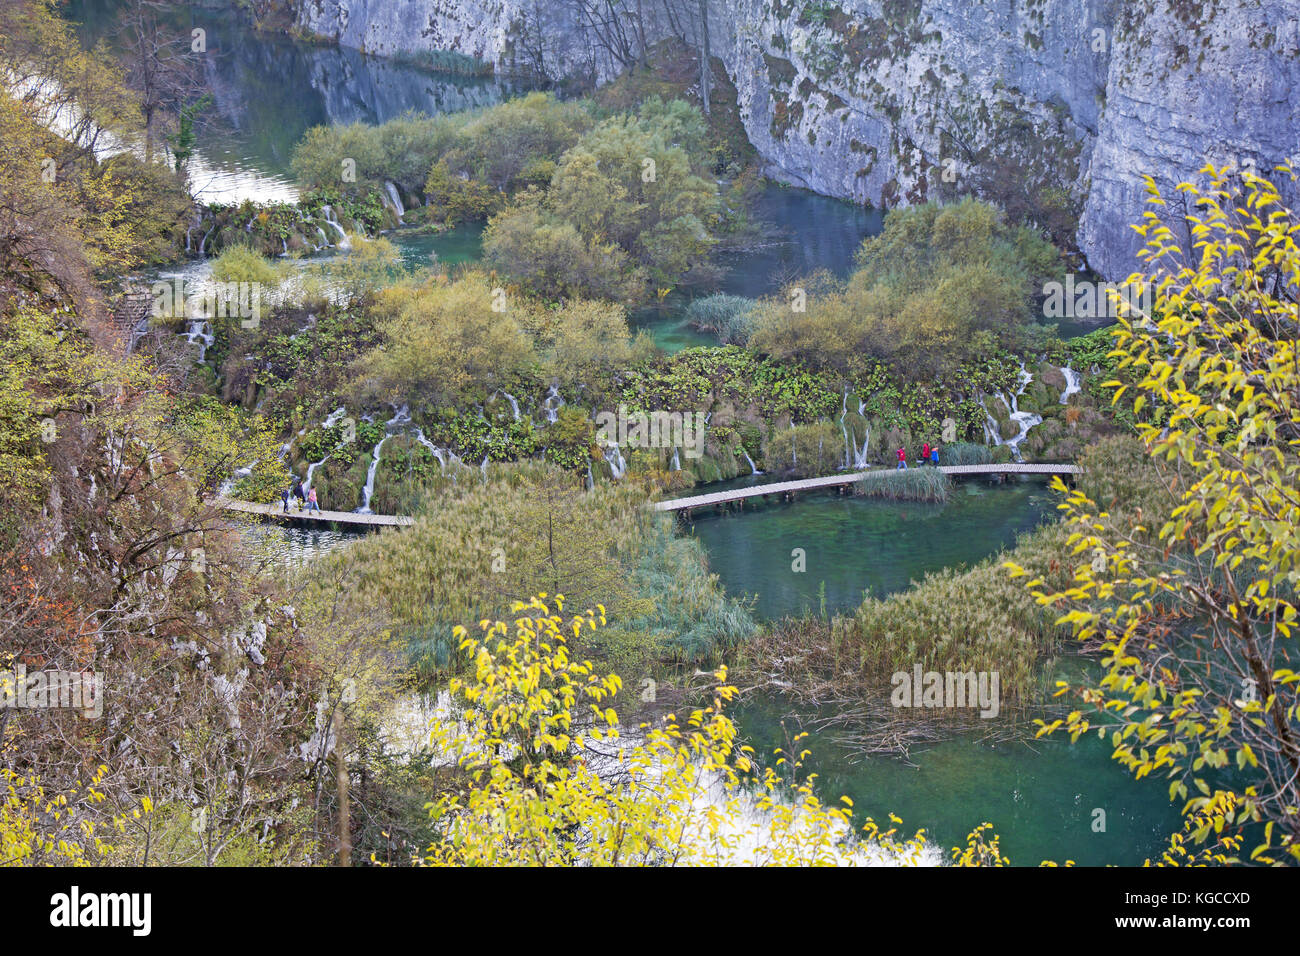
{"x":277,"y":512}
{"x":832,"y":481}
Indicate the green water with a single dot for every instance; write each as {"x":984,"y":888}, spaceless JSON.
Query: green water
{"x":1040,"y":795}
{"x":860,"y":544}
{"x":804,"y":232}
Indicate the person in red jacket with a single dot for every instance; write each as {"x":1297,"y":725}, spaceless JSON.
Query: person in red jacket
{"x":902,"y":457}
{"x":925,"y":453}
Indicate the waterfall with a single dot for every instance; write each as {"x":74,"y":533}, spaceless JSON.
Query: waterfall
{"x":328,"y":213}
{"x":552,"y":404}
{"x":395,"y":199}
{"x":677,"y":461}
{"x":204,"y":241}
{"x":514,"y":403}
{"x":483,"y":467}
{"x":324,"y":239}
{"x":1024,"y":420}
{"x":591,"y":479}
{"x":200,"y":333}
{"x":616,"y":463}
{"x":1072,"y":385}
{"x":753,"y":469}
{"x":794,"y":453}
{"x":369,"y":489}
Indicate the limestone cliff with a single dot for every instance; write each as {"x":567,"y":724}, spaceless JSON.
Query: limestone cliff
{"x":1067,"y":103}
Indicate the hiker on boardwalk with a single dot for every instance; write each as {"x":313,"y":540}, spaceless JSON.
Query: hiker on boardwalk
{"x":925,"y":453}
{"x":284,"y":497}
{"x":934,"y":456}
{"x":299,"y":494}
{"x":311,"y":501}
{"x":902,"y":458}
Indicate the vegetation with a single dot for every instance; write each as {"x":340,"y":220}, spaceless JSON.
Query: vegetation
{"x":942,"y":286}
{"x":1192,"y":605}
{"x":912,"y":484}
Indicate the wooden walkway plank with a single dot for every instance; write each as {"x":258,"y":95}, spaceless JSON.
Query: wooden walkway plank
{"x":327,"y":517}
{"x":675,"y":504}
{"x":831,"y":481}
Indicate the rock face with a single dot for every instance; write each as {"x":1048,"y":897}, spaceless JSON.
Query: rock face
{"x":895,"y":101}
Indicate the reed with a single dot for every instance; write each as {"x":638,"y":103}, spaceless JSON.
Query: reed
{"x":911,"y":484}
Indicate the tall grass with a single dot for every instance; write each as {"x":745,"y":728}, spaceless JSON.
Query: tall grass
{"x":911,"y":484}
{"x":965,"y":453}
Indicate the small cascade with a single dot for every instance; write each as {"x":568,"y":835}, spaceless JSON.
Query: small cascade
{"x":328,"y":213}
{"x":369,"y":489}
{"x":324,"y":239}
{"x":200,"y":333}
{"x":483,"y":467}
{"x":1072,"y":384}
{"x":514,"y":403}
{"x":552,"y":404}
{"x":753,"y":468}
{"x":677,"y":459}
{"x":395,"y":199}
{"x":311,"y":470}
{"x":617,"y":466}
{"x":854,"y":457}
{"x":1024,"y":420}
{"x":794,"y":453}
{"x":591,"y":479}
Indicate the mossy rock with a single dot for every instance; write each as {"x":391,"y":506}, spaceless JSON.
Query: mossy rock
{"x":1001,"y":455}
{"x":1008,"y":429}
{"x":1052,"y":376}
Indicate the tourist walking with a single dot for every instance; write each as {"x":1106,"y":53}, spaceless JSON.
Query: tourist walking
{"x":284,"y":498}
{"x":902,"y":458}
{"x":934,"y":456}
{"x":311,"y":501}
{"x":299,"y":494}
{"x":925,"y":453}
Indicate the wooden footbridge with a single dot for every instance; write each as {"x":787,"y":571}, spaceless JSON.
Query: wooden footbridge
{"x":275,"y":512}
{"x":786,"y":488}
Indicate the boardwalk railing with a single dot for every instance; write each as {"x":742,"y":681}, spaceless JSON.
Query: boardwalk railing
{"x":675,"y":504}
{"x":832,"y":481}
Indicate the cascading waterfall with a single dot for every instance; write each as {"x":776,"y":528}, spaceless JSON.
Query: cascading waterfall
{"x":330,"y":421}
{"x":328,"y":213}
{"x":677,"y":459}
{"x":396,"y":200}
{"x":514,"y":403}
{"x":369,"y":489}
{"x":617,"y":466}
{"x":753,"y":468}
{"x":1072,"y":384}
{"x":552,"y":404}
{"x":853,"y":456}
{"x":1024,"y":420}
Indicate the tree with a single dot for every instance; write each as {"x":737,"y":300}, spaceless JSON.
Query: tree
{"x":546,"y":780}
{"x":1193,"y":608}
